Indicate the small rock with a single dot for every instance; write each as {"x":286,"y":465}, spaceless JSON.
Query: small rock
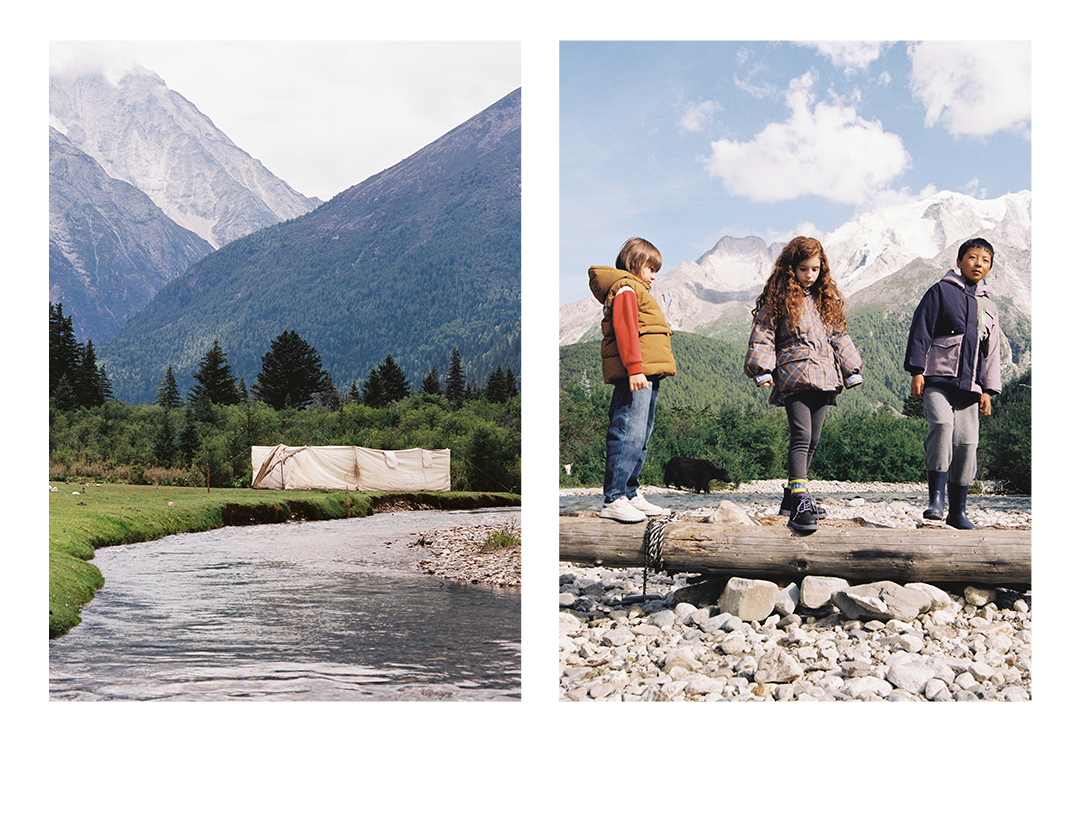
{"x":749,"y":599}
{"x":817,"y":591}
{"x":911,"y":675}
{"x":617,"y":636}
{"x":727,"y":512}
{"x":787,"y":600}
{"x":939,"y":599}
{"x":977,"y":596}
{"x":883,"y":600}
{"x":777,"y":666}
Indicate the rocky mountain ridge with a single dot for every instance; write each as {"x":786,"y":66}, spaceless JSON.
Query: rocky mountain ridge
{"x":717,"y":291}
{"x":413,"y":262}
{"x":142,"y":132}
{"x":110,"y":247}
{"x":141,"y":186}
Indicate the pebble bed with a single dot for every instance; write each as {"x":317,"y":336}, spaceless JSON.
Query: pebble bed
{"x":966,"y":642}
{"x":458,"y":554}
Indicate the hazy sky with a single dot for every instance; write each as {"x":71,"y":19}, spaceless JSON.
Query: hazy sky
{"x":322,"y":116}
{"x":686,"y":142}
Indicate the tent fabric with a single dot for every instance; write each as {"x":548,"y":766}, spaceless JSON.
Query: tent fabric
{"x":349,"y":468}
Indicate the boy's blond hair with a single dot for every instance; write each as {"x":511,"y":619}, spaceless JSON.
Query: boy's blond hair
{"x":638,"y":253}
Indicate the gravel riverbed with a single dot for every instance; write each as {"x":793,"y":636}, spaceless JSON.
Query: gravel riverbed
{"x":819,"y":639}
{"x":458,"y":554}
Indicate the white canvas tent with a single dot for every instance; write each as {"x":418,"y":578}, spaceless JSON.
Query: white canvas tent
{"x":349,"y":468}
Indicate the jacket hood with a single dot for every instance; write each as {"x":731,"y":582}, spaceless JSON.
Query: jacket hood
{"x":979,"y":289}
{"x":603,"y":278}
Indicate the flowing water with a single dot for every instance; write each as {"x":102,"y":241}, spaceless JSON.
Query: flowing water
{"x":313,"y":611}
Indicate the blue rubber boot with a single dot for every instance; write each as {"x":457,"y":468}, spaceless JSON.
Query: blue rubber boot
{"x":936,"y":510}
{"x":958,"y":508}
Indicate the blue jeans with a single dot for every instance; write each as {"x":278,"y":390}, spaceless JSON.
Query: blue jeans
{"x":632,"y":415}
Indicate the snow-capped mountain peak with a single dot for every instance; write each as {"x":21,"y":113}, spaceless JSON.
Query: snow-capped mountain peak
{"x":695,"y":296}
{"x":145,"y":134}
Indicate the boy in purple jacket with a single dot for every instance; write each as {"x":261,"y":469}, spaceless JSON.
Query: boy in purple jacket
{"x":954,"y":357}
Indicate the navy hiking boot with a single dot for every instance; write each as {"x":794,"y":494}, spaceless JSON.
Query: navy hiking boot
{"x":803,"y":516}
{"x":785,"y":504}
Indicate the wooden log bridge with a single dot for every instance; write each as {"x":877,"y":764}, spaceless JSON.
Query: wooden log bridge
{"x":855,"y":553}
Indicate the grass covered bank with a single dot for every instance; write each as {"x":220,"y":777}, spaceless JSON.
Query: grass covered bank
{"x":110,"y":514}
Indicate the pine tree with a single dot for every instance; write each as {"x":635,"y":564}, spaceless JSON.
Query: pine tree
{"x":104,"y":384}
{"x":168,"y":395}
{"x":353,"y":396}
{"x":373,"y":394}
{"x":165,"y":449}
{"x":87,"y":386}
{"x":511,"y":383}
{"x":495,"y":391}
{"x":291,"y":373}
{"x":455,"y":379}
{"x":328,"y":395}
{"x":64,"y":394}
{"x":430,"y":384}
{"x":214,"y":379}
{"x":64,"y":350}
{"x":189,"y":441}
{"x":242,"y":391}
{"x":395,"y":385}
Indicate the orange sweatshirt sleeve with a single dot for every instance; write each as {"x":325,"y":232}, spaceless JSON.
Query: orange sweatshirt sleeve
{"x":624,"y":318}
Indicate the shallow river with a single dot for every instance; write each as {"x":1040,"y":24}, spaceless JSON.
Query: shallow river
{"x":314,"y":611}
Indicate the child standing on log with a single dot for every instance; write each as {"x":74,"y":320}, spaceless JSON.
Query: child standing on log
{"x":636,"y":354}
{"x":953,"y":355}
{"x":799,"y":346}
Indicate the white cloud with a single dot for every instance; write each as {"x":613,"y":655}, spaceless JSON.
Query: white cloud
{"x":973,"y":88}
{"x":850,"y":55}
{"x":824,"y":149}
{"x":747,"y":83}
{"x":695,"y":115}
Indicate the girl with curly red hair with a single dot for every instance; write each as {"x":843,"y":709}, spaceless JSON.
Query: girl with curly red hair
{"x":800,"y":347}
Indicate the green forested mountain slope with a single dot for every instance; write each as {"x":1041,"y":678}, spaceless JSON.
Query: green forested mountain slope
{"x":710,"y":365}
{"x":411,"y":263}
{"x":710,"y":375}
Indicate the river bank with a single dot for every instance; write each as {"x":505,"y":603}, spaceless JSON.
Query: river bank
{"x":86,"y":516}
{"x":693,"y":641}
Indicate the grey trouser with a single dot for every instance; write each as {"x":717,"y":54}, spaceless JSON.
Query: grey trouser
{"x":805,"y":413}
{"x":953,"y":439}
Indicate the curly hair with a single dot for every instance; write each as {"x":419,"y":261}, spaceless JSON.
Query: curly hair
{"x":784,"y":296}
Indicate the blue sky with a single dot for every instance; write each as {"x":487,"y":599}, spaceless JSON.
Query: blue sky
{"x":686,"y":142}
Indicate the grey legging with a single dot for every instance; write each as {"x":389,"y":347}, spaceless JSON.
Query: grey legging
{"x":805,"y":414}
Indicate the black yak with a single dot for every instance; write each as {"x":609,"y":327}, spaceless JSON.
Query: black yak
{"x":692,"y":474}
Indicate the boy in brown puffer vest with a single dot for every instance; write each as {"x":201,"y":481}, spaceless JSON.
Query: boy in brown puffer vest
{"x":636,"y":354}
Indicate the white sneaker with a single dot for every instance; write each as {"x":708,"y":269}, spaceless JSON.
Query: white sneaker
{"x":638,"y":502}
{"x":622,"y":510}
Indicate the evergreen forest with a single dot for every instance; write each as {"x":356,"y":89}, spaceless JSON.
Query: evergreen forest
{"x":711,"y":410}
{"x":206,"y":439}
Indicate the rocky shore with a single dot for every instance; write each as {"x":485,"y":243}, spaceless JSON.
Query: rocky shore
{"x":459,"y":554}
{"x":818,"y":639}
